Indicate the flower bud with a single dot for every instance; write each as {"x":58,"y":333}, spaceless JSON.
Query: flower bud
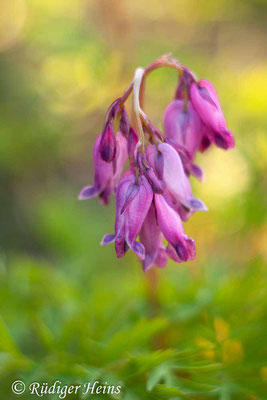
{"x":105,"y":180}
{"x":158,"y":186}
{"x":132,"y":142}
{"x":107,"y":146}
{"x":159,"y":164}
{"x":124,"y":123}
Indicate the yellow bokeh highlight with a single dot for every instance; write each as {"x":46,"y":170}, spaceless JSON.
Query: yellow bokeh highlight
{"x":263,"y":373}
{"x":252,"y":89}
{"x":260,"y":149}
{"x":226,"y":174}
{"x":61,"y":8}
{"x":183,"y":11}
{"x":221,"y":329}
{"x":208,"y":351}
{"x":74,"y":83}
{"x":232,"y":351}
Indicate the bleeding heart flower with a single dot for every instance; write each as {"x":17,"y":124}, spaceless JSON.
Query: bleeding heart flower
{"x":173,"y":174}
{"x":151,"y":237}
{"x":133,"y":200}
{"x":183,"y":125}
{"x":181,"y":248}
{"x":106,"y":174}
{"x":206,"y":102}
{"x":154,"y":195}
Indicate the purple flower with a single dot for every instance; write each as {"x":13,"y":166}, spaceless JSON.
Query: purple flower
{"x":158,"y":186}
{"x":107,"y":147}
{"x":133,"y":200}
{"x":154,"y":195}
{"x":206,"y":102}
{"x":186,"y":158}
{"x":151,"y":237}
{"x":180,"y":248}
{"x":106,"y":174}
{"x":132,"y":142}
{"x":183,"y":125}
{"x":124,"y":123}
{"x":173,"y":174}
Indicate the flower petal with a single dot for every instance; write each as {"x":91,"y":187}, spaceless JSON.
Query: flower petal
{"x":183,"y":126}
{"x":107,"y":239}
{"x":174,"y":176}
{"x":151,"y":237}
{"x":88,"y":192}
{"x":206,"y":102}
{"x":181,"y":248}
{"x":107,"y":147}
{"x":139,"y":249}
{"x":138,"y":209}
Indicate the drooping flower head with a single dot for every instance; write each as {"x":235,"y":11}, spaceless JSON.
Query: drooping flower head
{"x":154,"y":195}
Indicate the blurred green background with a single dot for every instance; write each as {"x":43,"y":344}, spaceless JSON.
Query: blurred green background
{"x":69,"y":309}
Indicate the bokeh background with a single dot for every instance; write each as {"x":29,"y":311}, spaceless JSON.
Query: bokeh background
{"x":69,"y":309}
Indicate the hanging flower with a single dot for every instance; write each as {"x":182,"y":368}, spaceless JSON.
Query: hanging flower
{"x":154,"y":194}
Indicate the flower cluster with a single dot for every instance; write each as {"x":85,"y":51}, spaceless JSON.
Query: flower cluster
{"x":154,"y":195}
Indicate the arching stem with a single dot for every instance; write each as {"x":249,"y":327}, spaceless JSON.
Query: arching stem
{"x":138,"y":77}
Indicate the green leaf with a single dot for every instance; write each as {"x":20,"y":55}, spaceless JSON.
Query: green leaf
{"x":7,"y":344}
{"x":135,"y":336}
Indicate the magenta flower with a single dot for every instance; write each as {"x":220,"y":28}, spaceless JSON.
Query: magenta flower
{"x":151,"y":237}
{"x":124,"y":123}
{"x":173,"y":174}
{"x":106,"y":174}
{"x":181,"y":248}
{"x":107,"y":146}
{"x":157,"y":184}
{"x":183,"y":125}
{"x":154,"y":194}
{"x":206,"y":102}
{"x":195,"y":119}
{"x":133,"y":200}
{"x":176,"y":180}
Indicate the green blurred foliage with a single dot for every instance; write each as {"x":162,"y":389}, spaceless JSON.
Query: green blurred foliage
{"x":69,"y":309}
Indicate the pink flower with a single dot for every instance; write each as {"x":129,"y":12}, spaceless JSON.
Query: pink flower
{"x":154,"y":195}
{"x":106,"y":174}
{"x":132,"y":142}
{"x":183,"y":125}
{"x":133,"y":200}
{"x":124,"y":123}
{"x":151,"y":237}
{"x":157,"y":185}
{"x":107,"y":145}
{"x":181,"y":248}
{"x":173,"y":174}
{"x":206,"y":102}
